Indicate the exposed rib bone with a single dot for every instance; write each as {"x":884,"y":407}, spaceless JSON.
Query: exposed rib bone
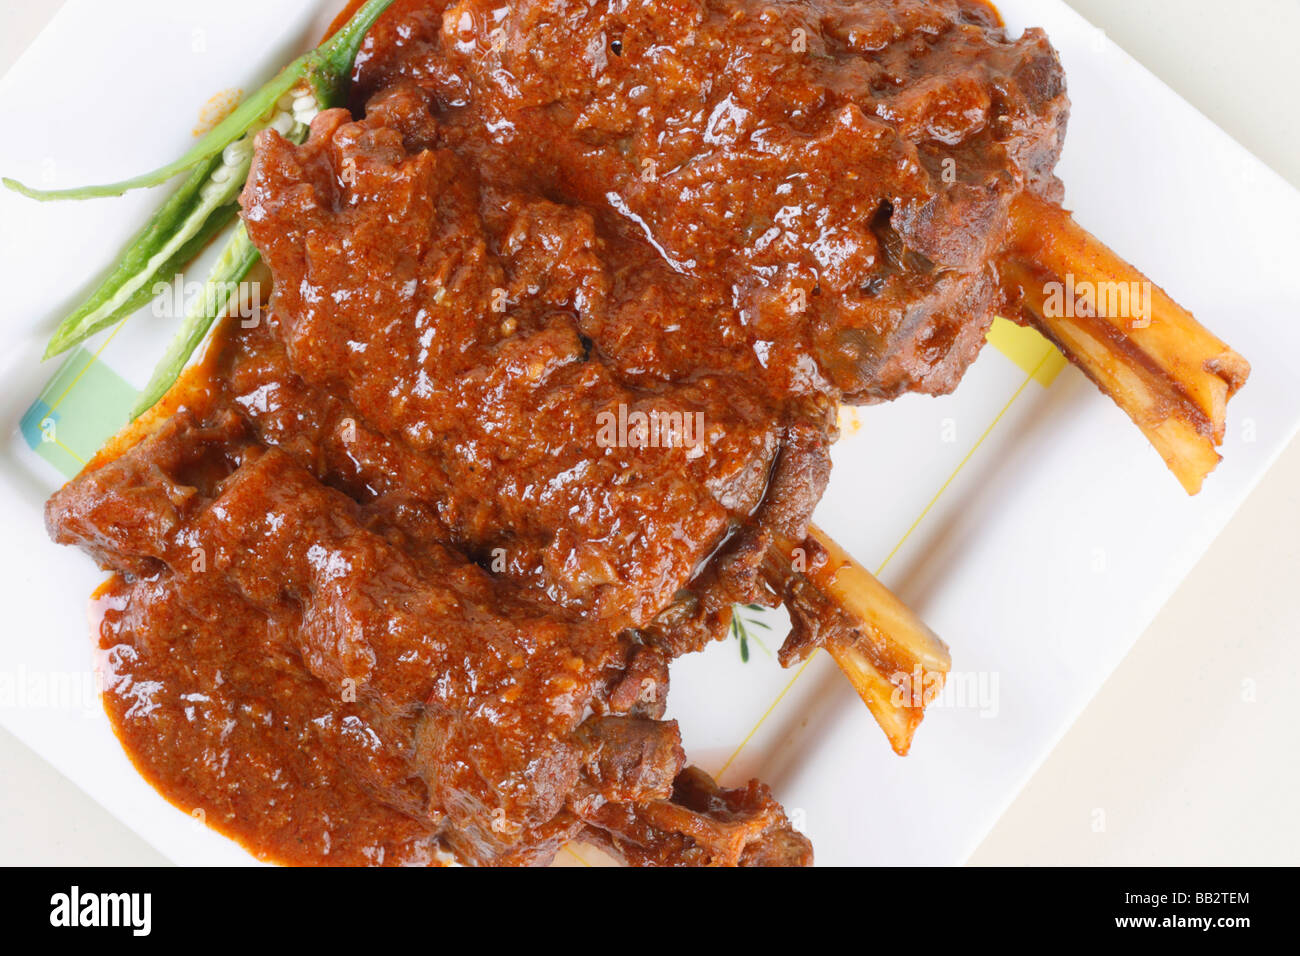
{"x":1168,"y":373}
{"x":894,"y":661}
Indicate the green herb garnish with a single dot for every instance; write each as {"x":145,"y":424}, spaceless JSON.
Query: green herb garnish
{"x":740,"y":626}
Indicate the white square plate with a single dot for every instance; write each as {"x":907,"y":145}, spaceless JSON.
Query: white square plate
{"x":1024,"y":517}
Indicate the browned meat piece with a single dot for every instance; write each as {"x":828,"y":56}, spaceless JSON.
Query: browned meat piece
{"x":461,"y":395}
{"x":702,"y":825}
{"x":828,"y":179}
{"x":126,"y":515}
{"x":447,"y":697}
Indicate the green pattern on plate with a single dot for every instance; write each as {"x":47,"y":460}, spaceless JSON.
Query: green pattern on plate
{"x":79,"y":409}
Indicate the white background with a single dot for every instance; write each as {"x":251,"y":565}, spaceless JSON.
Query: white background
{"x":1177,"y":764}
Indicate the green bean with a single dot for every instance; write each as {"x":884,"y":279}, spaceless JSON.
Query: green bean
{"x":205,"y":203}
{"x":330,"y":69}
{"x":326,"y":68}
{"x":225,"y":133}
{"x":329,"y":76}
{"x":237,"y":258}
{"x":173,"y":236}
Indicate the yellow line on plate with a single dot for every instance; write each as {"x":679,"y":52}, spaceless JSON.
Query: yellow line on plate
{"x":574,"y":853}
{"x":94,"y":358}
{"x":962,"y":464}
{"x":901,"y":541}
{"x":767,"y":713}
{"x":69,"y":450}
